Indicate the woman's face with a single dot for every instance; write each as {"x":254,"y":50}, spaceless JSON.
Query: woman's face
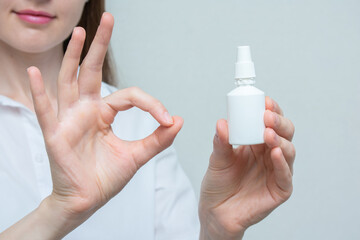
{"x":35,"y":26}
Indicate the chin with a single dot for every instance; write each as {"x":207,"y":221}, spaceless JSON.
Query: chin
{"x":34,"y":44}
{"x":34,"y":49}
{"x":33,"y":40}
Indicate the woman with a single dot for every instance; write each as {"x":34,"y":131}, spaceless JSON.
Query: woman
{"x":93,"y":148}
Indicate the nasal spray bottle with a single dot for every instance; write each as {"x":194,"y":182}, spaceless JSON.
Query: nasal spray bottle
{"x":246,"y":104}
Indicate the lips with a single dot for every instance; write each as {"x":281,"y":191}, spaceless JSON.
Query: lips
{"x":34,"y":17}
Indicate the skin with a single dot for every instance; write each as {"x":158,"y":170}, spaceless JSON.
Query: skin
{"x":90,"y":165}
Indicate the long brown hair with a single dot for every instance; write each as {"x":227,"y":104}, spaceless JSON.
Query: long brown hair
{"x":90,"y":21}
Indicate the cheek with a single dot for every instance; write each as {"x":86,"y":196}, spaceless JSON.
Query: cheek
{"x":6,"y":4}
{"x":70,"y":17}
{"x":5,"y":15}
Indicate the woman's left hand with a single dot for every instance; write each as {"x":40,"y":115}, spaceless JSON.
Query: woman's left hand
{"x":243,"y":185}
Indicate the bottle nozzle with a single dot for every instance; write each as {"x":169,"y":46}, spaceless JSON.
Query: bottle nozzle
{"x":244,"y":54}
{"x":244,"y":66}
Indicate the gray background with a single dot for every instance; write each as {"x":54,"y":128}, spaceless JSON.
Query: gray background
{"x":306,"y":55}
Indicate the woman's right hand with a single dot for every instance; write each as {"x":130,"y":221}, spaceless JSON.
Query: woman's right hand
{"x":89,"y":164}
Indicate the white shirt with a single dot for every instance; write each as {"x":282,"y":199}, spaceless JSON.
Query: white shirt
{"x":158,"y":203}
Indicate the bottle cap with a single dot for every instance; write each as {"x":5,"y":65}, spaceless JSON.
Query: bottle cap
{"x":244,"y":68}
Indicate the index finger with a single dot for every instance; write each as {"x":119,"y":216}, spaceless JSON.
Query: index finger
{"x":134,"y":97}
{"x":272,"y":105}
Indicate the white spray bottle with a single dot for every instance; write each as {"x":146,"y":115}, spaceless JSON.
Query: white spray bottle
{"x":246,"y":104}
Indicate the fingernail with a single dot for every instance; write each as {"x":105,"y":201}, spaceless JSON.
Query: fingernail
{"x":73,"y":33}
{"x":28,"y":70}
{"x":102,"y":17}
{"x":168,"y":118}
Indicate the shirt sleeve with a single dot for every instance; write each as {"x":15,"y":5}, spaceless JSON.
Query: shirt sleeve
{"x":176,"y":214}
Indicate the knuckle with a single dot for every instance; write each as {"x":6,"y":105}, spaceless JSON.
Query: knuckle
{"x":158,"y":104}
{"x":133,"y":94}
{"x":288,"y":194}
{"x":287,"y":127}
{"x":134,"y":91}
{"x":159,"y":145}
{"x":277,"y":119}
{"x":102,"y":39}
{"x":276,"y":106}
{"x":292,"y":127}
{"x":292,"y":151}
{"x":94,"y":67}
{"x":215,"y":140}
{"x":289,"y":177}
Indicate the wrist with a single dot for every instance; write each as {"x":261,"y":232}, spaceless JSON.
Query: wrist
{"x":213,"y":228}
{"x":208,"y":232}
{"x":57,"y":219}
{"x":50,"y":220}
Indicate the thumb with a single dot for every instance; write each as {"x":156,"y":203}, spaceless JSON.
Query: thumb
{"x":159,"y":140}
{"x":223,"y":152}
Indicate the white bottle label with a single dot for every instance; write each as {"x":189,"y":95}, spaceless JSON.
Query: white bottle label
{"x":246,"y":116}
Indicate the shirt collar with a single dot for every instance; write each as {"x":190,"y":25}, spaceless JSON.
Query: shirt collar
{"x":8,"y":102}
